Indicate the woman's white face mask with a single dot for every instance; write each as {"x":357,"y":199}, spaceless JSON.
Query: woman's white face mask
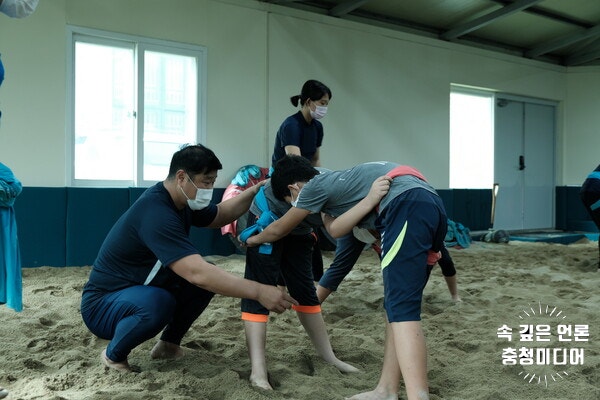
{"x":202,"y":199}
{"x":18,"y":8}
{"x":319,"y":112}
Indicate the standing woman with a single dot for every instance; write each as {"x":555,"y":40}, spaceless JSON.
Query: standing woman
{"x":301,"y":134}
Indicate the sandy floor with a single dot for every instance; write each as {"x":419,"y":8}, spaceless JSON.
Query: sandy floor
{"x":47,"y":353}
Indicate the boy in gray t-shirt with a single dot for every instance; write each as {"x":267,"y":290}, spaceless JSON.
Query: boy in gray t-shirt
{"x":410,"y":217}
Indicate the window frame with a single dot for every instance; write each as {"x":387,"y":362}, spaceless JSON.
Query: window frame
{"x":139,"y":45}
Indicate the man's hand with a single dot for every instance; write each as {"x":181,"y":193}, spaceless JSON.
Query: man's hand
{"x":274,"y":299}
{"x":379,"y":188}
{"x":256,"y":187}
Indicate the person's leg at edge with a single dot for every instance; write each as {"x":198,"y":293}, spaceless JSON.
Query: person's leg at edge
{"x":389,"y":381}
{"x":314,"y":325}
{"x":596,"y":218}
{"x":590,"y":201}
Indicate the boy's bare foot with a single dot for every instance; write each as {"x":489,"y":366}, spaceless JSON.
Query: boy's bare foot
{"x":262,"y":383}
{"x":456,"y":298}
{"x":344,"y":367}
{"x":119,"y":366}
{"x":166,"y":351}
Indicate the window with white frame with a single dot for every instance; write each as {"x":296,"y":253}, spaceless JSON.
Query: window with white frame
{"x":471,"y":139}
{"x":133,"y":102}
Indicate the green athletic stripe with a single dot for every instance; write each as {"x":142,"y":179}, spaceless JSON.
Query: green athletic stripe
{"x":389,"y":256}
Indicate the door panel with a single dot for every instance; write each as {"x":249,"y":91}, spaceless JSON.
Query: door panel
{"x":538,"y":194}
{"x":508,"y":146}
{"x":524,"y":164}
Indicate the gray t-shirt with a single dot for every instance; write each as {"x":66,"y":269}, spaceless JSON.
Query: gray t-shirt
{"x":335,"y":192}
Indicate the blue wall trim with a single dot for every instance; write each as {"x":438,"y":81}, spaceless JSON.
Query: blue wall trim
{"x":42,"y":226}
{"x":66,"y":226}
{"x":90,"y":215}
{"x":470,"y":207}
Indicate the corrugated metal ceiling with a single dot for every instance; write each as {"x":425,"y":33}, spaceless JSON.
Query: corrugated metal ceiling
{"x":563,"y":32}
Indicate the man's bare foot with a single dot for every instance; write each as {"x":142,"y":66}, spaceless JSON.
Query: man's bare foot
{"x":119,"y":366}
{"x":260,"y":382}
{"x":166,"y":351}
{"x":373,"y":395}
{"x":456,"y":298}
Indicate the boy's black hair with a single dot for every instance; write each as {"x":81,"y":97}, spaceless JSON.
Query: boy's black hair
{"x":289,"y":170}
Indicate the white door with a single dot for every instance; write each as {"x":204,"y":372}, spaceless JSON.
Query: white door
{"x":524,"y":139}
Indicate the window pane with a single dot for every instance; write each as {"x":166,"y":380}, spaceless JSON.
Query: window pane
{"x":170,"y":109}
{"x":104,"y":122}
{"x":471,"y":141}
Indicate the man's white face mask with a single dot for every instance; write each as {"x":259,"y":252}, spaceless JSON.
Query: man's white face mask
{"x":202,"y":198}
{"x":18,"y":8}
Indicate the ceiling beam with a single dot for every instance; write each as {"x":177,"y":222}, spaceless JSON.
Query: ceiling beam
{"x":590,"y":53}
{"x":563,"y":41}
{"x":346,"y":7}
{"x":282,"y":1}
{"x":551,"y":15}
{"x":487,"y":19}
{"x":582,"y":58}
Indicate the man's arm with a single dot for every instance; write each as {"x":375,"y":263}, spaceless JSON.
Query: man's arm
{"x":338,"y":227}
{"x":280,"y":228}
{"x":232,"y":209}
{"x":201,"y":273}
